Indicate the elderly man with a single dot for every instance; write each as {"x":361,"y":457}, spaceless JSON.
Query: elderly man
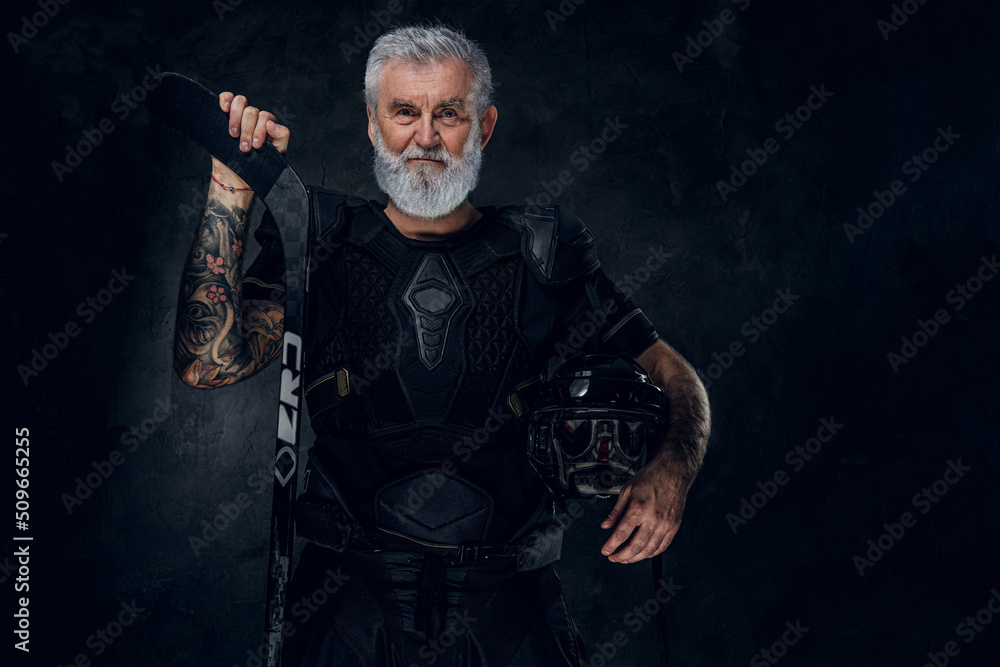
{"x":427,"y":322}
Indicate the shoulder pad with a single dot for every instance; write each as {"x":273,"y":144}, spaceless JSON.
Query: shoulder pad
{"x":555,"y":243}
{"x":328,"y":208}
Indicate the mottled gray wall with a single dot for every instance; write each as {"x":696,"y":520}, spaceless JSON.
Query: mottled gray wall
{"x":132,"y":205}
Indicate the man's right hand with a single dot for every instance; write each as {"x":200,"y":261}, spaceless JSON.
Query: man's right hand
{"x":220,"y":338}
{"x":253,"y":127}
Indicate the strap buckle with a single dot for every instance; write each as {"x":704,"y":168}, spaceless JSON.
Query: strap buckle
{"x":468,"y":551}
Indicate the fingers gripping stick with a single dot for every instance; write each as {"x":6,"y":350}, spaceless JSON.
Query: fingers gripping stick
{"x":192,"y":110}
{"x":189,"y":108}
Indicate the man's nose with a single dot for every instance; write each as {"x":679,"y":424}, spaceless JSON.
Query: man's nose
{"x":425,"y":134}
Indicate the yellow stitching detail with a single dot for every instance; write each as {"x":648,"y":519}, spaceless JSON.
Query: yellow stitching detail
{"x":621,"y":324}
{"x":260,"y":284}
{"x":412,"y":539}
{"x":515,"y":404}
{"x":313,"y":386}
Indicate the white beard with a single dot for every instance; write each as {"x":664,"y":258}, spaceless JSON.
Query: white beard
{"x":416,"y":190}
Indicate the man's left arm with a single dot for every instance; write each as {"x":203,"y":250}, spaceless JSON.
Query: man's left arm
{"x":650,"y":507}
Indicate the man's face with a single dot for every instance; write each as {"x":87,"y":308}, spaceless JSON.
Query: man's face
{"x":428,"y":140}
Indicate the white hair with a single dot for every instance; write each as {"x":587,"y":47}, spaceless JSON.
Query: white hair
{"x":426,"y":44}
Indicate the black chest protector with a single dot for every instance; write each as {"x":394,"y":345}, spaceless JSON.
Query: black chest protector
{"x":411,"y":344}
{"x":418,"y":355}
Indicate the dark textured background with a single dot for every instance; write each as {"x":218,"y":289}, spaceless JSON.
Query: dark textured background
{"x":134,"y":203}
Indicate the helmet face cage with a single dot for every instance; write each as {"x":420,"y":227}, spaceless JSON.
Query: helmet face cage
{"x":595,"y":429}
{"x":595,"y":452}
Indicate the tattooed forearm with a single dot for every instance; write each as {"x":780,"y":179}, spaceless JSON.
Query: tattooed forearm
{"x":219,"y":339}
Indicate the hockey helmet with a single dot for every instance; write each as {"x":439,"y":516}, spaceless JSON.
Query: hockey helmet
{"x":598,"y":420}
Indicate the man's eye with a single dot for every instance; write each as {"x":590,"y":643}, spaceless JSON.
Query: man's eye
{"x":449,"y":113}
{"x":405,"y":112}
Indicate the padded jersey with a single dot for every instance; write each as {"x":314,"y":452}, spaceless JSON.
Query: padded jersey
{"x":420,"y":354}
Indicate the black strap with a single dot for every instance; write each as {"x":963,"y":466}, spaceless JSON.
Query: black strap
{"x":431,"y":595}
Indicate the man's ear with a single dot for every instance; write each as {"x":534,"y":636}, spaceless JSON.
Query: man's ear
{"x":488,"y":122}
{"x":371,"y":137}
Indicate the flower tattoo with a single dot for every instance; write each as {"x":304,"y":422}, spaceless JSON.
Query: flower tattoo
{"x":215,"y":263}
{"x":216,"y":293}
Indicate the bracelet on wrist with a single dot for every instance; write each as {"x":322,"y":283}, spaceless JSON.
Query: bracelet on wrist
{"x":228,"y":187}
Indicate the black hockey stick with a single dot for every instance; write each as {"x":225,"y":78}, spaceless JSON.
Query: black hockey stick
{"x":192,"y":110}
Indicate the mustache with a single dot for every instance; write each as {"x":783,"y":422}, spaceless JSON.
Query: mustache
{"x":421,"y":190}
{"x":438,"y":153}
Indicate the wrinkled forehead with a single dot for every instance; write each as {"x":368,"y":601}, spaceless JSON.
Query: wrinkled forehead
{"x":426,"y":85}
